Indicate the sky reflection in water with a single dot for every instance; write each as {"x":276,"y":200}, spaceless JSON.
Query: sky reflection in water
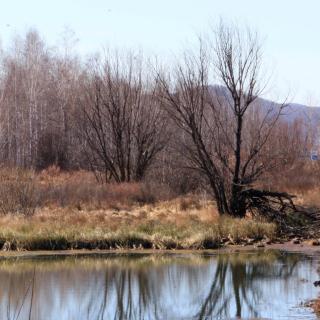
{"x":269,"y":285}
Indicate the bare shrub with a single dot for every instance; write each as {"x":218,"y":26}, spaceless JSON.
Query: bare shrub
{"x":301,"y":177}
{"x":145,"y":195}
{"x":80,"y":189}
{"x":189,"y":202}
{"x":17,"y":192}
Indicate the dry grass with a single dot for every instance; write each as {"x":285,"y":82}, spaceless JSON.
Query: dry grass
{"x":81,"y":190}
{"x":161,"y":226}
{"x":65,"y":210}
{"x":21,"y":191}
{"x":301,"y":179}
{"x":315,"y":305}
{"x":17,"y":191}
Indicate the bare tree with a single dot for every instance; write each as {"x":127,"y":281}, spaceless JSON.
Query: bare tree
{"x":227,"y":127}
{"x":26,"y":85}
{"x":123,"y":126}
{"x":39,"y":87}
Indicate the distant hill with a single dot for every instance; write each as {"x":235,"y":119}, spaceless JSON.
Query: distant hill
{"x":292,"y":112}
{"x":300,"y":111}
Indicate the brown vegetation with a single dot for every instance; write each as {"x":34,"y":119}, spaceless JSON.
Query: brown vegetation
{"x":73,"y":210}
{"x":316,"y":306}
{"x":166,"y":148}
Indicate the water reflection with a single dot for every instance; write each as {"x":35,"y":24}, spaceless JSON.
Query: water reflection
{"x":249,"y":285}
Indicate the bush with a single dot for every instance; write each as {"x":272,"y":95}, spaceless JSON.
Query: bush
{"x":17,"y":192}
{"x":80,"y":189}
{"x":51,"y":151}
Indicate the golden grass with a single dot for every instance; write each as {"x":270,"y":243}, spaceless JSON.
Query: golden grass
{"x":301,"y":179}
{"x":309,"y":198}
{"x":71,"y":210}
{"x":161,"y":226}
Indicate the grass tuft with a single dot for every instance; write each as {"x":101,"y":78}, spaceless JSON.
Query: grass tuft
{"x":54,"y":210}
{"x":88,"y":231}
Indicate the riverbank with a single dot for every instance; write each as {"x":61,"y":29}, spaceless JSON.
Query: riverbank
{"x":183,"y":223}
{"x":158,"y":227}
{"x":54,"y":210}
{"x":304,"y":248}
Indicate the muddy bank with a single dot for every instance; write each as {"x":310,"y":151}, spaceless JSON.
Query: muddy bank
{"x":304,"y":247}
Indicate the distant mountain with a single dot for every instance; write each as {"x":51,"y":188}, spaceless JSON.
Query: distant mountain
{"x":292,"y":112}
{"x":299,"y":111}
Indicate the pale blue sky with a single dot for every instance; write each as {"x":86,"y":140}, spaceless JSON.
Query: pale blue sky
{"x":291,"y":29}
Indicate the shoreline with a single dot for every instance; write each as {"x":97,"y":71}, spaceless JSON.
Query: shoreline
{"x":302,"y":248}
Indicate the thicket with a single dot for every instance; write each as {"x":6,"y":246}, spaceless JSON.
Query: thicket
{"x":200,"y":126}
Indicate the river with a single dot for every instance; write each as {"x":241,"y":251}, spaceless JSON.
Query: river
{"x":247,"y":285}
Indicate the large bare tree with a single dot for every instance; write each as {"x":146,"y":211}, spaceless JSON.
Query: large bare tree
{"x":226,"y":126}
{"x":123,"y":126}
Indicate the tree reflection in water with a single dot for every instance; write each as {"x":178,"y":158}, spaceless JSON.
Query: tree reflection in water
{"x":243,"y":285}
{"x":149,"y":286}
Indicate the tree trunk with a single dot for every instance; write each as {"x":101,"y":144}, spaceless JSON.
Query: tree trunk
{"x":237,"y":203}
{"x":220,"y":196}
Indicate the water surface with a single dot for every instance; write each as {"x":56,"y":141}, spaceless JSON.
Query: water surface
{"x":257,"y":285}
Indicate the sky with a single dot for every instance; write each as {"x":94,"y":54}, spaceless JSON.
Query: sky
{"x":289,"y":30}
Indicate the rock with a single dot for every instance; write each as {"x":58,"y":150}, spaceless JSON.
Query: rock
{"x":315,"y":242}
{"x":296,"y":241}
{"x":260,"y":245}
{"x":316,"y":283}
{"x":268,"y":241}
{"x":250,"y":241}
{"x":6,"y":246}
